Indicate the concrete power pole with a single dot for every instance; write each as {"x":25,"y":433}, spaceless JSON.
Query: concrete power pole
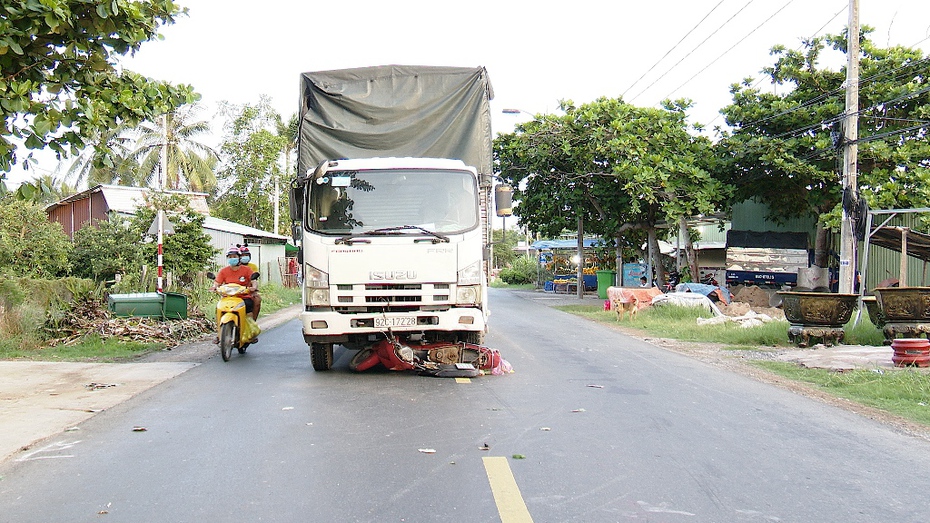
{"x":850,"y":152}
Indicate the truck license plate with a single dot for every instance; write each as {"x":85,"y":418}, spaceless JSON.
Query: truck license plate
{"x":400,"y":321}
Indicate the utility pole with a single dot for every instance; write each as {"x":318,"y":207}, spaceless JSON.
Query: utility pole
{"x":850,"y":151}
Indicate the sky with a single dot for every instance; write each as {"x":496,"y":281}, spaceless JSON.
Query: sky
{"x":536,"y":53}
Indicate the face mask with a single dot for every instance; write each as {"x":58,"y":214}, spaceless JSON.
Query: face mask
{"x":245,"y":259}
{"x":232,"y":261}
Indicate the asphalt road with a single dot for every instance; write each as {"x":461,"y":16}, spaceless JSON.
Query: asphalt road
{"x":610,"y":429}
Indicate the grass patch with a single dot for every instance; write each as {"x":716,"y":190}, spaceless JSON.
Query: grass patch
{"x":89,"y":349}
{"x":904,"y":392}
{"x":681,"y":323}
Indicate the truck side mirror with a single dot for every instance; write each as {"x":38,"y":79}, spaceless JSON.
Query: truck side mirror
{"x":296,"y":201}
{"x":503,"y":200}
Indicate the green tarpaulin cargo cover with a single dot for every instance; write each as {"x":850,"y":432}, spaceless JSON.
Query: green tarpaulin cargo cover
{"x":396,"y":111}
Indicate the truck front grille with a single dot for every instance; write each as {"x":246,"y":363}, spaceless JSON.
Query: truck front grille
{"x":391,"y":297}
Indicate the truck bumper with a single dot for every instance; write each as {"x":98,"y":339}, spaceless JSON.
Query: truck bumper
{"x":334,"y":324}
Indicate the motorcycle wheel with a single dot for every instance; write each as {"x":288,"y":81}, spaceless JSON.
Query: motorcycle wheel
{"x":227,"y":339}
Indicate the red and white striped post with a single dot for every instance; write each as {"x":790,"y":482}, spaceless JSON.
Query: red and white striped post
{"x":161,"y":232}
{"x":161,"y":189}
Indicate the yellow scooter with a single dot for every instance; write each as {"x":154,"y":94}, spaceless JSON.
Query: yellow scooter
{"x":235,"y":327}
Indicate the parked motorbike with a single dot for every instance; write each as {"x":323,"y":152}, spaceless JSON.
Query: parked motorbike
{"x":708,"y":279}
{"x":234,"y":326}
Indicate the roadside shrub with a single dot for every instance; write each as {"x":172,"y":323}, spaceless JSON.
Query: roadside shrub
{"x":522,"y":271}
{"x":31,"y":245}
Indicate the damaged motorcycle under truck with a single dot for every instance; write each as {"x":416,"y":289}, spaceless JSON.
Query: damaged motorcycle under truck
{"x":390,"y":208}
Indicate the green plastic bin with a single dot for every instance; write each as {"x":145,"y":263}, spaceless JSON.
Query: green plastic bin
{"x":605,"y":279}
{"x":164,"y":305}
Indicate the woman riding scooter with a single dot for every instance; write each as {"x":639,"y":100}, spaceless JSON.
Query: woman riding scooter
{"x":239,"y":274}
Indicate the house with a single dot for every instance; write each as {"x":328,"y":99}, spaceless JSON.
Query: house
{"x":81,"y":209}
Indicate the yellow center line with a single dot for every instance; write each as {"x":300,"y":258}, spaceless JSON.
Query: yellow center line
{"x":507,"y":495}
{"x":463,"y":380}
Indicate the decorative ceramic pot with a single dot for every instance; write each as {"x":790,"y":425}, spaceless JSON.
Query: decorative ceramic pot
{"x":825,"y":309}
{"x":904,"y":304}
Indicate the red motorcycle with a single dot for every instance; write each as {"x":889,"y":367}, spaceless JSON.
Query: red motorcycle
{"x":441,"y":359}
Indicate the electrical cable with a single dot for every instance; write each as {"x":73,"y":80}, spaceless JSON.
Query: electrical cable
{"x":673,"y":48}
{"x":798,"y":49}
{"x":705,"y":68}
{"x":693,"y":50}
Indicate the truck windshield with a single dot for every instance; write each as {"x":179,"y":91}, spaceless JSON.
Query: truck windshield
{"x":355,"y":202}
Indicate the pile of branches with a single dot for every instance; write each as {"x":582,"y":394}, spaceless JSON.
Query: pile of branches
{"x":92,"y":317}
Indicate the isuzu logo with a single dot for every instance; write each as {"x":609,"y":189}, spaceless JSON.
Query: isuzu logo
{"x":392,"y":275}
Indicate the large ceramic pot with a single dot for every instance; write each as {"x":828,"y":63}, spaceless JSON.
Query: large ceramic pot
{"x":826,"y":309}
{"x":875,"y":312}
{"x":904,"y":304}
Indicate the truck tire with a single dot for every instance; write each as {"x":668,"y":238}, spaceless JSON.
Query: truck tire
{"x":321,"y":356}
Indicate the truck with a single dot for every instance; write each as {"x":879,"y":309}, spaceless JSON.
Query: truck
{"x":390,"y":206}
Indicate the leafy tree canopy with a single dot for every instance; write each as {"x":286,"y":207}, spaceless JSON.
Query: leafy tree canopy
{"x":185,"y":252}
{"x":785,"y":148}
{"x":60,"y":81}
{"x":251,"y":152}
{"x":619,"y":167}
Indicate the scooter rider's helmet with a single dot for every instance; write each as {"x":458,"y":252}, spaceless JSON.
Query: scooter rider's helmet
{"x":232,"y":255}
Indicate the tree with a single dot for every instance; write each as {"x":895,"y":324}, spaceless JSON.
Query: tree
{"x":505,"y":241}
{"x":251,"y":152}
{"x":106,"y":248}
{"x":784,"y":149}
{"x":615,"y":167}
{"x":110,"y":164}
{"x":189,"y":162}
{"x":188,"y":250}
{"x":31,"y":245}
{"x":60,"y":80}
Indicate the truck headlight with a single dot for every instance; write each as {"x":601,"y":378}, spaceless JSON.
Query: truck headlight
{"x":318,"y":297}
{"x":467,"y":295}
{"x":315,"y":278}
{"x":470,"y":275}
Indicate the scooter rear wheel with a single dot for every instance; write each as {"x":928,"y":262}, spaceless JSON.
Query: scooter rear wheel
{"x":227,"y":339}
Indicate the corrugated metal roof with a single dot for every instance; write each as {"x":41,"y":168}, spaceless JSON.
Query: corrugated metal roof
{"x":122,"y":199}
{"x":125,"y":200}
{"x":218,"y":224}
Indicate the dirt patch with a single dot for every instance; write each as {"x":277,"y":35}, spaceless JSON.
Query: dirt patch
{"x":752,"y":295}
{"x":738,"y":308}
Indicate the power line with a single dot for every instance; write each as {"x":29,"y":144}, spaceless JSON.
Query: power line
{"x":673,"y":47}
{"x":767,"y":20}
{"x":693,"y":50}
{"x":823,"y":96}
{"x":798,"y":49}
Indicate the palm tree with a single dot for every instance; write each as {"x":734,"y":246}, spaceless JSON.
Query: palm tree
{"x":189,"y":162}
{"x":106,"y":161}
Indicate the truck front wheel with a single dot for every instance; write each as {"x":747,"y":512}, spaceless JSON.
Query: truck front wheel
{"x":321,"y":356}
